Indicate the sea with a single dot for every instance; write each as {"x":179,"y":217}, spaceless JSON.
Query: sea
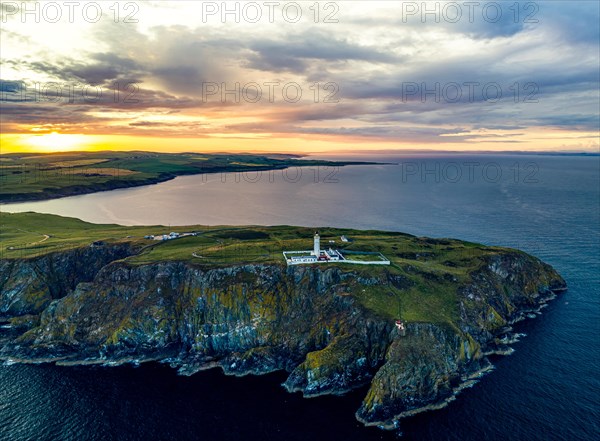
{"x":547,"y":389}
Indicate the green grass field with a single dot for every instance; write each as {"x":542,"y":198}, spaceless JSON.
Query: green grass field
{"x":43,"y":176}
{"x":424,"y":273}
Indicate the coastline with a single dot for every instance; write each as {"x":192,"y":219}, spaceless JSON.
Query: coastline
{"x":509,"y":338}
{"x":121,"y":184}
{"x":30,"y":177}
{"x":505,"y":348}
{"x":277,"y":318}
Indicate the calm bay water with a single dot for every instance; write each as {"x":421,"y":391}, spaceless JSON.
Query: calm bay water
{"x":549,"y":389}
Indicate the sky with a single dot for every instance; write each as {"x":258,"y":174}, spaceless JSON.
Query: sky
{"x":299,"y":77}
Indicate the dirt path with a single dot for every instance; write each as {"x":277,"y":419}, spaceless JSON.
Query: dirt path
{"x":46,"y":237}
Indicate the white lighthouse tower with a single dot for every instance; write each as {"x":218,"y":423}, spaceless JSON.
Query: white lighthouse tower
{"x":317,"y":245}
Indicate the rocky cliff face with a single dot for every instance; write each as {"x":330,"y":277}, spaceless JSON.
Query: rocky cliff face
{"x":27,"y":286}
{"x":88,"y":306}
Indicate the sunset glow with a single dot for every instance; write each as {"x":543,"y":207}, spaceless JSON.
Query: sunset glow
{"x":178,"y":78}
{"x":55,"y":142}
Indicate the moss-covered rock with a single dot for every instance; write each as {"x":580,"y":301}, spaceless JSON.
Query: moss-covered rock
{"x":27,"y":286}
{"x":331,"y":327}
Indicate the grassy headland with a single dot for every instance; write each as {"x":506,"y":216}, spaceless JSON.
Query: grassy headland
{"x":424,"y":273}
{"x":28,"y":177}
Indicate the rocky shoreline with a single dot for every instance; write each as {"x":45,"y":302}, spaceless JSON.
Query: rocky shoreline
{"x":500,"y":346}
{"x":256,"y":319}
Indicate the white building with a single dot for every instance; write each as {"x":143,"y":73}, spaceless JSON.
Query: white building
{"x":333,"y":255}
{"x":317,"y":245}
{"x":302,"y":259}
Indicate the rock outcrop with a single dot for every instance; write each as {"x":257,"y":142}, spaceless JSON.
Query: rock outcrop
{"x":91,"y":306}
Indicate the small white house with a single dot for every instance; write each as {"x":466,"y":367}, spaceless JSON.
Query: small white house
{"x":332,"y":255}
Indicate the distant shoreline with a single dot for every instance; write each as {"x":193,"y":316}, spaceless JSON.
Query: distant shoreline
{"x":116,"y":184}
{"x":31,"y":178}
{"x":120,"y":184}
{"x":362,"y":153}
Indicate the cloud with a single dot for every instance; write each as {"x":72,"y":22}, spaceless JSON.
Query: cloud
{"x":372,"y":55}
{"x":296,"y":52}
{"x":10,"y":87}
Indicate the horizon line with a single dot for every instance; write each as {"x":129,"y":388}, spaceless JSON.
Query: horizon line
{"x":325,"y":152}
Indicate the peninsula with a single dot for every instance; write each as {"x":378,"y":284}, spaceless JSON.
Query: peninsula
{"x":33,"y":177}
{"x":78,"y":293}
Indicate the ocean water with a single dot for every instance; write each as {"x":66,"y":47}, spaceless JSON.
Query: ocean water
{"x":548,"y":389}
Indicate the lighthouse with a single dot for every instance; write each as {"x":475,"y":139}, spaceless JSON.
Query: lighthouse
{"x":317,"y":245}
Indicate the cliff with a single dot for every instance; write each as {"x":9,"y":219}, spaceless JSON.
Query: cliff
{"x":330,"y":326}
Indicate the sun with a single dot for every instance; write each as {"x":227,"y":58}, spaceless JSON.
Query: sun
{"x":57,"y":142}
